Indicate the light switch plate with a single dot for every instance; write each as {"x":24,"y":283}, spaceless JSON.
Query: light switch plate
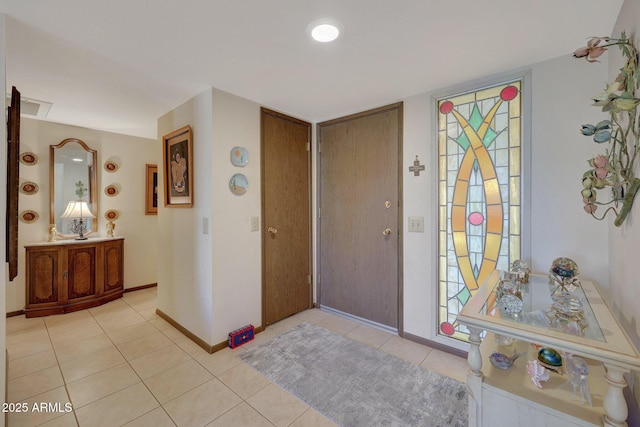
{"x":416,"y":224}
{"x":255,"y":223}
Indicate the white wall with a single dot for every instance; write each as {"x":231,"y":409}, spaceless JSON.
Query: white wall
{"x":624,"y":241}
{"x":211,"y":283}
{"x":237,"y":272}
{"x":138,"y":229}
{"x":3,"y":255}
{"x":185,"y":258}
{"x":560,"y":227}
{"x":561,"y":91}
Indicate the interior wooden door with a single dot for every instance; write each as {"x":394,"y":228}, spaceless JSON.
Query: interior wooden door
{"x":359,"y":219}
{"x":286,"y":216}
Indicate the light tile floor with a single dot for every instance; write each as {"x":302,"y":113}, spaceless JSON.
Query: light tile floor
{"x":121,"y":365}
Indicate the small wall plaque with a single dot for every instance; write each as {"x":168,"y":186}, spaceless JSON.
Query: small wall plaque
{"x":239,"y":184}
{"x":417,"y":167}
{"x":239,"y":156}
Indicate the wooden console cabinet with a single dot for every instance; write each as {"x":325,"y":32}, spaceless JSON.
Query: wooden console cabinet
{"x":72,"y":275}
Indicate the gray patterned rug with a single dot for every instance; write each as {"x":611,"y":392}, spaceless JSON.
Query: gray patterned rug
{"x":357,"y":385}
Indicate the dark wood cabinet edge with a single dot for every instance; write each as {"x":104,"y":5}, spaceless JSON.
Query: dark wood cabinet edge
{"x":133,"y":289}
{"x":72,"y":306}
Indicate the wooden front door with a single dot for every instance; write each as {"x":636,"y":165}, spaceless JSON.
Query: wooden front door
{"x":359,"y":201}
{"x":286,"y":216}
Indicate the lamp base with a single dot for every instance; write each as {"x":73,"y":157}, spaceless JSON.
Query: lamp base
{"x":81,"y":238}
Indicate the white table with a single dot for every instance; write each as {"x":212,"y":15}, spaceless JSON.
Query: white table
{"x":508,"y":397}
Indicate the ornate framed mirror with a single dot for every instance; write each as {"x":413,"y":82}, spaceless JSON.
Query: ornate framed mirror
{"x":72,"y":165}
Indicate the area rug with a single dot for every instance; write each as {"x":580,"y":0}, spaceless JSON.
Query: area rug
{"x":356,"y":385}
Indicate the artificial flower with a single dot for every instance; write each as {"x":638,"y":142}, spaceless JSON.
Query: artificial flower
{"x":615,"y":169}
{"x":602,"y":136}
{"x":601,"y":173}
{"x":592,"y":51}
{"x":603,"y":131}
{"x":625,"y":103}
{"x":600,"y":183}
{"x":588,"y":130}
{"x":588,"y":193}
{"x":600,"y":161}
{"x":609,"y":94}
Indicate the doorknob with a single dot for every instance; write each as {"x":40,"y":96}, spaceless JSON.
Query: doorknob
{"x":387,"y":231}
{"x":272,"y":230}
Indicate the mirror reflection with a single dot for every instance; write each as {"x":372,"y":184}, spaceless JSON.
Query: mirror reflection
{"x":73,"y":179}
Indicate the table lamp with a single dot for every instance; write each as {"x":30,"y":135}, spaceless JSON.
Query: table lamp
{"x":78,"y":211}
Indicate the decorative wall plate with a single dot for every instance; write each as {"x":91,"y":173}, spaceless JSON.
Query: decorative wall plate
{"x":29,"y":216}
{"x":28,"y":188}
{"x":112,"y":214}
{"x":111,"y":190}
{"x":28,"y":158}
{"x":239,"y":184}
{"x":239,"y":156}
{"x":110,"y":166}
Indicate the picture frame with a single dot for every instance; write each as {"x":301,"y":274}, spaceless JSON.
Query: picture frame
{"x":13,"y":182}
{"x":151,"y":190}
{"x":177,"y":153}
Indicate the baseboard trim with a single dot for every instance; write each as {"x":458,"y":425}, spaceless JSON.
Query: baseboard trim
{"x":15,"y":313}
{"x":193,"y":337}
{"x":139,"y":288}
{"x":436,"y":345}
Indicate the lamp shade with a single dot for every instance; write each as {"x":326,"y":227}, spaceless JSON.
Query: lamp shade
{"x":77,"y":210}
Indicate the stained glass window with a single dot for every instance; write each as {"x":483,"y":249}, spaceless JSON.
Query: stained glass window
{"x":479,"y":215}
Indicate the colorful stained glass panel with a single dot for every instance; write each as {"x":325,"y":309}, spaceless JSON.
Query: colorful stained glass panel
{"x":479,"y":139}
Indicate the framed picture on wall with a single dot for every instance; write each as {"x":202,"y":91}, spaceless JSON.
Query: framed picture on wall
{"x":13,"y":182}
{"x":177,"y":152}
{"x":151,"y":190}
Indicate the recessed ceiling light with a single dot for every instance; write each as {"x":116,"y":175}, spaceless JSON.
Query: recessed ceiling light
{"x":324,"y":30}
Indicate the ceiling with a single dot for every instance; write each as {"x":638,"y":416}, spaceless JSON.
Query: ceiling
{"x":119,"y":65}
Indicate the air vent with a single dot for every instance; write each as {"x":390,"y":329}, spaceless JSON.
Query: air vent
{"x":33,"y":107}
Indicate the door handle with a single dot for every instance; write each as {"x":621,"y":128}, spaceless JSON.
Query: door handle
{"x":386,"y":232}
{"x":273,"y":231}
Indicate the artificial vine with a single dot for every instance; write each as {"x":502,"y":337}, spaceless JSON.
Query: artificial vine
{"x":616,"y":167}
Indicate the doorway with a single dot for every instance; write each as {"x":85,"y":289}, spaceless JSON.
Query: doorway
{"x":286,"y":216}
{"x":360,"y":215}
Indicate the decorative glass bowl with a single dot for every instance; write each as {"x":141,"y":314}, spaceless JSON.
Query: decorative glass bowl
{"x":563,"y":274}
{"x":511,"y":304}
{"x":564,"y":267}
{"x":520,"y":270}
{"x":550,"y":358}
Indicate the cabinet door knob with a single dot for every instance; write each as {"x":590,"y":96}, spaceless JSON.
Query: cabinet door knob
{"x":64,"y":275}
